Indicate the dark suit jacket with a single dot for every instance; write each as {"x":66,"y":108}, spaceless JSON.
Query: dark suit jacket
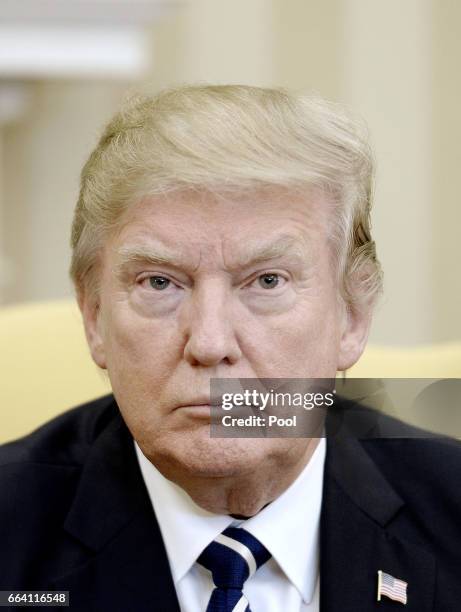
{"x":75,"y":516}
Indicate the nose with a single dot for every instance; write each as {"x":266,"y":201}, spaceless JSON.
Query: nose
{"x":209,"y":327}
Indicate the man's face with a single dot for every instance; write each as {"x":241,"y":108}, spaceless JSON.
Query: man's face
{"x":195,"y":286}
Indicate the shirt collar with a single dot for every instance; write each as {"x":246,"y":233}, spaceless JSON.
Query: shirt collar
{"x":187,"y":529}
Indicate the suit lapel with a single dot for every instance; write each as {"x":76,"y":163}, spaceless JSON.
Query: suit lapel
{"x":126,"y":567}
{"x":360,"y":535}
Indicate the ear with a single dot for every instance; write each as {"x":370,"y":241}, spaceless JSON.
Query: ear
{"x":354,"y":335}
{"x":91,"y":313}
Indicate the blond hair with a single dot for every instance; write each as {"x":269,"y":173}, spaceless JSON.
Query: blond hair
{"x":237,"y":138}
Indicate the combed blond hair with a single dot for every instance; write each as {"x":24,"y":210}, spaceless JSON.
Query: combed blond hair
{"x":231,"y":137}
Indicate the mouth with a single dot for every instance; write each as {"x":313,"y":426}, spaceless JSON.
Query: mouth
{"x":196,"y":411}
{"x":200,"y":400}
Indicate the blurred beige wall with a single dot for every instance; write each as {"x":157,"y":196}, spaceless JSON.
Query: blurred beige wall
{"x":43,"y":153}
{"x":386,"y":75}
{"x":446,"y":199}
{"x":394,"y":62}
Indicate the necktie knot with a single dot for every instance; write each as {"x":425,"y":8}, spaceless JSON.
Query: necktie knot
{"x":232,"y":557}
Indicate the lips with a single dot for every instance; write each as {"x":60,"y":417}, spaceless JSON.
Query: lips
{"x":195,"y":402}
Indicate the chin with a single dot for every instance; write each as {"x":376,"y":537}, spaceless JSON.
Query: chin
{"x":186,"y":455}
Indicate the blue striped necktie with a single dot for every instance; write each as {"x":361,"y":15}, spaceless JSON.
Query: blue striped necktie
{"x":232,"y":557}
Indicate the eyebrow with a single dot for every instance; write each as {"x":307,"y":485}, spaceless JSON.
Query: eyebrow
{"x":158,"y":253}
{"x":154,"y":254}
{"x":284,"y":246}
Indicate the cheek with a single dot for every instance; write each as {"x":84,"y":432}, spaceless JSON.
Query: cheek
{"x":142,"y":358}
{"x":139,"y":350}
{"x":302,"y":343}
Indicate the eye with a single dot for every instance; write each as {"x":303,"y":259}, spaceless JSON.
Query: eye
{"x":158,"y":282}
{"x":268,"y":280}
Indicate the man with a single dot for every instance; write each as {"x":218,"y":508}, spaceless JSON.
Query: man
{"x":223,"y":232}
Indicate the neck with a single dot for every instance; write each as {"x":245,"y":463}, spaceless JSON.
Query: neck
{"x":243,"y":495}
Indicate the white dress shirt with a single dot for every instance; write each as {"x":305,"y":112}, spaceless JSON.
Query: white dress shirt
{"x":288,"y":527}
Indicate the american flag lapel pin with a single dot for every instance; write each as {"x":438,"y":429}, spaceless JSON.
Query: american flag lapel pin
{"x":391,"y":587}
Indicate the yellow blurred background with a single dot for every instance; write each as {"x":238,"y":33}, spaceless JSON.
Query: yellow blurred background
{"x":65,"y":67}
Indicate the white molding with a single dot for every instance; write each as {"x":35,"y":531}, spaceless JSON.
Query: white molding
{"x":33,"y":52}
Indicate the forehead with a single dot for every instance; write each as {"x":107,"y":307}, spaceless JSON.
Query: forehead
{"x":231,"y":223}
